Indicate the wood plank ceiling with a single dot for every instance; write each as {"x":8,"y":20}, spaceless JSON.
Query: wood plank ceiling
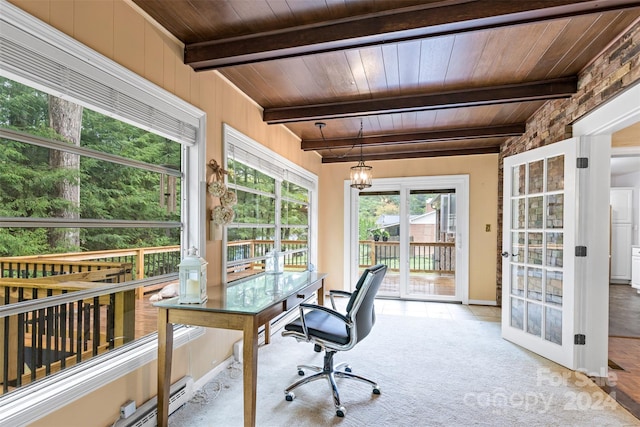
{"x":421,"y":78}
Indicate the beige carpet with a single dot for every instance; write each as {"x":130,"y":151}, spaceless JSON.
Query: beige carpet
{"x":432,"y":372}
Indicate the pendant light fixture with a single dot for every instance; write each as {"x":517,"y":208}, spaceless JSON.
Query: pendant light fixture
{"x":361,"y":175}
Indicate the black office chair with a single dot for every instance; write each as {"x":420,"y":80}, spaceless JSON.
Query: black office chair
{"x":332,"y":331}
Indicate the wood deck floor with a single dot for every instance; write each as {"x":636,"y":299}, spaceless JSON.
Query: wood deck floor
{"x":421,"y":285}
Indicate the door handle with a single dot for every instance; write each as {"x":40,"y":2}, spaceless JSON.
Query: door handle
{"x":506,"y":254}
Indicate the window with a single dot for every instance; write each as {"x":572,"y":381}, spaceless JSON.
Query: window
{"x":156,"y":193}
{"x":116,"y":187}
{"x":275,"y":209}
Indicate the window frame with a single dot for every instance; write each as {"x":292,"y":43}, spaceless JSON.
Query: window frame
{"x":279,"y":168}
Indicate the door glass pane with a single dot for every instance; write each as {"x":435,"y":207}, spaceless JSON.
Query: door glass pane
{"x":518,"y":214}
{"x":536,"y":210}
{"x":555,"y":173}
{"x":553,"y":325}
{"x":517,"y":247}
{"x":517,"y":313}
{"x":378,"y":236}
{"x":432,"y":231}
{"x":517,"y":280}
{"x":534,"y":283}
{"x":553,"y":290}
{"x":518,"y":177}
{"x":555,"y":211}
{"x":536,"y":177}
{"x":534,"y":255}
{"x":554,"y":249}
{"x":534,"y":319}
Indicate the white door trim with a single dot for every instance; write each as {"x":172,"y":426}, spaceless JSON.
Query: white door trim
{"x":620,"y":112}
{"x":592,"y":271}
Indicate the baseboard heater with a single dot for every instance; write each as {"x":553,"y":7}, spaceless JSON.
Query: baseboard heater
{"x":147,"y":414}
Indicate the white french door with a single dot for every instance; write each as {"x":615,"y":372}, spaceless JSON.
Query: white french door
{"x":538,"y":238}
{"x":545,"y":288}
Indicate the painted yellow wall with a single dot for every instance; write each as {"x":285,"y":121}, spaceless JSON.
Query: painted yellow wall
{"x":628,"y":137}
{"x":116,"y":29}
{"x":483,"y":183}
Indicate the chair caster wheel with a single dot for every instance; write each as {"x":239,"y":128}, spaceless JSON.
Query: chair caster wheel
{"x":289,"y":397}
{"x":341,"y":411}
{"x":301,"y":372}
{"x":376,"y":390}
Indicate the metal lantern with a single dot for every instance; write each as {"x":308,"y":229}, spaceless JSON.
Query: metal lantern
{"x":193,"y":278}
{"x":361,"y":175}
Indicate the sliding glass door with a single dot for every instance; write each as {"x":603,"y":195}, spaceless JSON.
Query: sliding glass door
{"x":412,"y":226}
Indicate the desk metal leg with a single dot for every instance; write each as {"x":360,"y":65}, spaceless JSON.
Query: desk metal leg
{"x":250,"y":370}
{"x":165,"y":354}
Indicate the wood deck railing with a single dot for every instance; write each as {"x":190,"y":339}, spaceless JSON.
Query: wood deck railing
{"x":250,"y":255}
{"x":145,"y":262}
{"x":37,"y":342}
{"x":424,"y":257}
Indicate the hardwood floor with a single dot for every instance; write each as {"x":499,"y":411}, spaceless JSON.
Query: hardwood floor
{"x":624,"y":347}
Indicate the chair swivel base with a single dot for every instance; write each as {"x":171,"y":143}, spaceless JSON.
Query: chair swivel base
{"x":329,"y":372}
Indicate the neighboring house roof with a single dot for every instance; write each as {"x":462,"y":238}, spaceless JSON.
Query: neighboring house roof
{"x":386,"y":221}
{"x":428,"y":218}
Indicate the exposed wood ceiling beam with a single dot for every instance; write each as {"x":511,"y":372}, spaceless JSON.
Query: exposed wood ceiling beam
{"x":422,"y":137}
{"x":530,"y":91}
{"x":417,"y":22}
{"x":412,"y":154}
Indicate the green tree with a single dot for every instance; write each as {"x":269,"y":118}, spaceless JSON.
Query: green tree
{"x":28,"y":182}
{"x":65,"y":118}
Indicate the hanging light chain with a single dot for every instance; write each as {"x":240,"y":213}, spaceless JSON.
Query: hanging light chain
{"x":361,"y":175}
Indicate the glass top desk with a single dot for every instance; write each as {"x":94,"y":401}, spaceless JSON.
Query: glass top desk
{"x":244,"y":305}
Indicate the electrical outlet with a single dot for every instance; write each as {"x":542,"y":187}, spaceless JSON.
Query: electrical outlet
{"x":127,"y":409}
{"x":487,"y":227}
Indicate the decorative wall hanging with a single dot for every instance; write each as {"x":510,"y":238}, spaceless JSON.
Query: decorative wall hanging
{"x":221,"y":214}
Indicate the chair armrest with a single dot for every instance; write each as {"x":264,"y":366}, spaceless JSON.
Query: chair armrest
{"x":336,"y":292}
{"x":334,"y":313}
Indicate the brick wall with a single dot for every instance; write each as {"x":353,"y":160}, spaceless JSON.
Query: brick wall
{"x":613,"y":71}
